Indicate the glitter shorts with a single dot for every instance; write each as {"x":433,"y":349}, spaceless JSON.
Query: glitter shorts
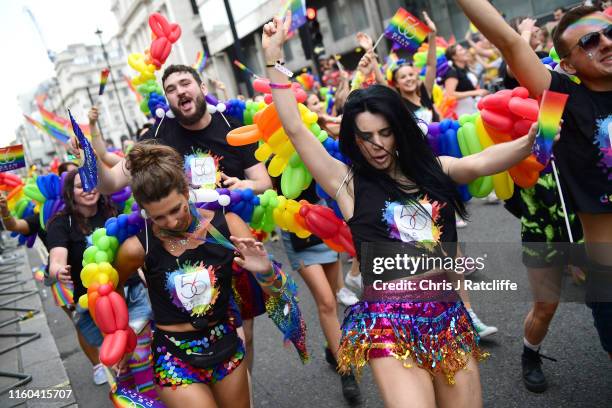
{"x":438,"y":336}
{"x":171,"y":371}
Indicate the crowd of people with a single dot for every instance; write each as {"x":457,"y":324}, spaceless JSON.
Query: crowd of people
{"x":378,"y":115}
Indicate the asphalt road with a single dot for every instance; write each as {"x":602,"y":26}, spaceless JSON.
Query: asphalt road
{"x":582,"y":376}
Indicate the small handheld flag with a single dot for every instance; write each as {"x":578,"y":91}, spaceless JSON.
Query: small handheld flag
{"x":549,"y":119}
{"x":103,"y":80}
{"x":406,"y":30}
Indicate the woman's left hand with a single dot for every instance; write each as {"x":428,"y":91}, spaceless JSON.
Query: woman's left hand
{"x":430,"y":23}
{"x":253,"y":256}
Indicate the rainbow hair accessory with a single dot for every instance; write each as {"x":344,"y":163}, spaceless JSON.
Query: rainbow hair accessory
{"x":551,"y":110}
{"x":406,"y":30}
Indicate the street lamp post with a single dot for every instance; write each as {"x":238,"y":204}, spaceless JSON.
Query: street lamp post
{"x":237,"y":47}
{"x":108,"y":65}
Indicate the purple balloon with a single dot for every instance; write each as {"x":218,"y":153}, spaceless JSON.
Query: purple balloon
{"x":433,"y":128}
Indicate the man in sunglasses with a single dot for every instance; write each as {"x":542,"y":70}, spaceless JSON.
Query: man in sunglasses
{"x":583,"y":154}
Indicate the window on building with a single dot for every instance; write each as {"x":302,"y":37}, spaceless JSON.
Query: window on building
{"x":346,"y":17}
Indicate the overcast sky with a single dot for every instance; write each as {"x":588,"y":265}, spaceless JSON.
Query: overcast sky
{"x":24,"y":63}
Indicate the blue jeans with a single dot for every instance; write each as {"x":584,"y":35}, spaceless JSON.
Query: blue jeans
{"x":139,"y":306}
{"x":86,"y":326}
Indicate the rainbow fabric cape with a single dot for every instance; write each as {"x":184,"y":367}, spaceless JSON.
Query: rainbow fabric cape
{"x":549,"y":119}
{"x":11,"y":158}
{"x":406,"y":30}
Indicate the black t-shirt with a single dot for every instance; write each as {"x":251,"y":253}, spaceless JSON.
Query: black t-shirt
{"x":584,"y":152}
{"x":511,"y":82}
{"x":426,"y":111}
{"x":63,"y":232}
{"x":34,"y":226}
{"x":463,"y":81}
{"x":233,"y":160}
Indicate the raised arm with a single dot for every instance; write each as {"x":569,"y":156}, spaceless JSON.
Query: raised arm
{"x":11,"y":223}
{"x":326,"y":170}
{"x":492,"y":160}
{"x":108,"y":158}
{"x":130,"y":258}
{"x":450,"y":88}
{"x":525,"y":64}
{"x":432,"y":60}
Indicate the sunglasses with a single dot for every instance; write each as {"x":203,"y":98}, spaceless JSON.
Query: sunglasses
{"x":590,"y":41}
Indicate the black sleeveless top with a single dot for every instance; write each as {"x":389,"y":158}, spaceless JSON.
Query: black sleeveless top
{"x":181,"y":288}
{"x":384,"y":216}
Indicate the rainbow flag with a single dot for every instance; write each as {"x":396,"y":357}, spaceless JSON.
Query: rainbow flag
{"x":549,"y":119}
{"x":62,"y":294}
{"x":200,"y":63}
{"x":131,"y":86}
{"x":298,"y":14}
{"x":103,"y":80}
{"x":406,"y":30}
{"x":11,"y":158}
{"x":62,"y":137}
{"x":58,"y":126}
{"x":244,"y":68}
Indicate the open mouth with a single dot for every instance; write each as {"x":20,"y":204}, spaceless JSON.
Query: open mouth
{"x":380,"y":159}
{"x":186,"y":104}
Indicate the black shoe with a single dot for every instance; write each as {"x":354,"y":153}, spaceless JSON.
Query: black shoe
{"x":331,"y":360}
{"x":533,"y":377}
{"x":350,"y":389}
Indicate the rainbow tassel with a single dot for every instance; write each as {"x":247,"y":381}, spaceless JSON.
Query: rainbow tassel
{"x":551,"y":110}
{"x":103,"y":80}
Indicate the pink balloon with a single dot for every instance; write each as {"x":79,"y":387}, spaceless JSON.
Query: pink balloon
{"x":521,"y":128}
{"x":520,"y":92}
{"x":497,"y":102}
{"x":261,"y":85}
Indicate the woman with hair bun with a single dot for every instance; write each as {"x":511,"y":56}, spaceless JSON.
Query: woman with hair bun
{"x":188,"y":266}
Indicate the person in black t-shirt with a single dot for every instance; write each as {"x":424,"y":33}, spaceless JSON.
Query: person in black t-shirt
{"x":417,"y":95}
{"x":193,"y":131}
{"x":583,"y":40}
{"x":66,"y":240}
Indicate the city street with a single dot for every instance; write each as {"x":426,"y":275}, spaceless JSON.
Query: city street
{"x":580,"y":377}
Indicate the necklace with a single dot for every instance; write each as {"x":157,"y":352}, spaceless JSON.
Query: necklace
{"x":178,"y":241}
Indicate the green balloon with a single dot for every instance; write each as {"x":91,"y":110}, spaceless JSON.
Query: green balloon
{"x":90,"y":254}
{"x":114,"y":243}
{"x":101,"y":256}
{"x":100,"y":232}
{"x":103,"y":243}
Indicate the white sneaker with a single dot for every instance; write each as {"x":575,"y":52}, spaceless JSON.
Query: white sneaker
{"x":99,"y":376}
{"x":353,"y":281}
{"x":482,"y":329}
{"x":346,"y":297}
{"x":461,"y":223}
{"x":492,"y":199}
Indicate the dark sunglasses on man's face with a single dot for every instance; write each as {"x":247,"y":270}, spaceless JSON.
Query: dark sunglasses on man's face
{"x":590,"y":41}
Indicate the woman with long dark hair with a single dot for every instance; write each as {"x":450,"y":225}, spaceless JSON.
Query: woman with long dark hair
{"x":66,"y":241}
{"x":396,"y":190}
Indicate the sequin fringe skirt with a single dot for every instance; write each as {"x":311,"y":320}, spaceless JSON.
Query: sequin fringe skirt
{"x":438,"y":336}
{"x":171,"y":371}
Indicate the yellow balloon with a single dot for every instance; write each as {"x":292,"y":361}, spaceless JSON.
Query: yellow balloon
{"x":83,"y":301}
{"x":88,"y":273}
{"x":277,"y":165}
{"x":102,"y":278}
{"x":263,"y":152}
{"x":483,"y":135}
{"x":503,"y":185}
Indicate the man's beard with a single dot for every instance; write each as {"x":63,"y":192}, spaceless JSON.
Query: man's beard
{"x":200,"y":104}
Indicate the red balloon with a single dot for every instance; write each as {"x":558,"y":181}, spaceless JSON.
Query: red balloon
{"x":113,"y":347}
{"x":497,"y":102}
{"x":320,"y":220}
{"x":521,"y":128}
{"x":120,"y":310}
{"x":262,"y":85}
{"x":268,"y":98}
{"x":524,"y":108}
{"x":520,"y":92}
{"x":497,"y":120}
{"x":131,"y":340}
{"x":160,"y":50}
{"x":105,"y":316}
{"x":162,"y":28}
{"x":105,"y":289}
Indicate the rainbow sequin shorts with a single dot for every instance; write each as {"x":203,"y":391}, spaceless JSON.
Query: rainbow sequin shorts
{"x":438,"y":336}
{"x":171,"y":371}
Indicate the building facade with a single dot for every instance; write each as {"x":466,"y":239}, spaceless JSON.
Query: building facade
{"x":339,"y":21}
{"x":78,"y":74}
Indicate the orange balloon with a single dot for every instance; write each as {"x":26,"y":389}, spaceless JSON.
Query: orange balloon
{"x":243,"y":135}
